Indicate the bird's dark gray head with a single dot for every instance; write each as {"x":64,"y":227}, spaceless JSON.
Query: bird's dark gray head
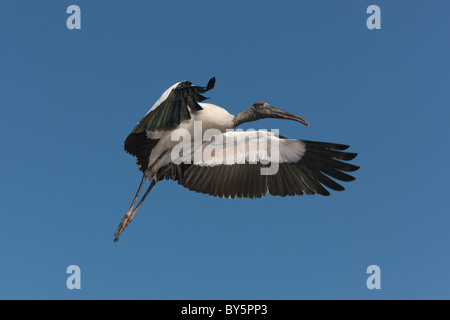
{"x":265,"y":110}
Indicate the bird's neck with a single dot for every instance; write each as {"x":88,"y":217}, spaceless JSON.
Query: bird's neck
{"x":245,"y":116}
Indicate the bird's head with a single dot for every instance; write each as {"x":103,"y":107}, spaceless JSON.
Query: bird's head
{"x":263,"y":110}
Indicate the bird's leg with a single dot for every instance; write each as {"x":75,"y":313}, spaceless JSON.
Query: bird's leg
{"x":127,"y":215}
{"x":137,"y":194}
{"x":132,"y":212}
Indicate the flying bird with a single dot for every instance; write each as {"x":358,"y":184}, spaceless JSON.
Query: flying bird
{"x":164,"y":143}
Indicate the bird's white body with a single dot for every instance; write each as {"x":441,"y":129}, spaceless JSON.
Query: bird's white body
{"x":211,"y":117}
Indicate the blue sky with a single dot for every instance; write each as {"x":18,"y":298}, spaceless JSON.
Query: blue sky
{"x":69,"y":98}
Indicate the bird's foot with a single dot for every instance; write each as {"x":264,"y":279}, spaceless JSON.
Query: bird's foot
{"x":124,"y":223}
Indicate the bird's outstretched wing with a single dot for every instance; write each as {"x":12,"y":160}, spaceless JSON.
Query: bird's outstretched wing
{"x":304,"y":167}
{"x":173,"y":107}
{"x":171,"y":111}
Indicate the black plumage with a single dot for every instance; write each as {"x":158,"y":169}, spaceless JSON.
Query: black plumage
{"x":320,"y":163}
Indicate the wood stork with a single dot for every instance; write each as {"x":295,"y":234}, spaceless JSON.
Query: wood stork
{"x":304,"y":167}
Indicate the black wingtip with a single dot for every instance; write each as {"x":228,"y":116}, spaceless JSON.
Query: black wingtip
{"x":210,"y":84}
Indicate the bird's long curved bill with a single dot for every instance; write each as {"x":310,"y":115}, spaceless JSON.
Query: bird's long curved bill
{"x":281,"y":114}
